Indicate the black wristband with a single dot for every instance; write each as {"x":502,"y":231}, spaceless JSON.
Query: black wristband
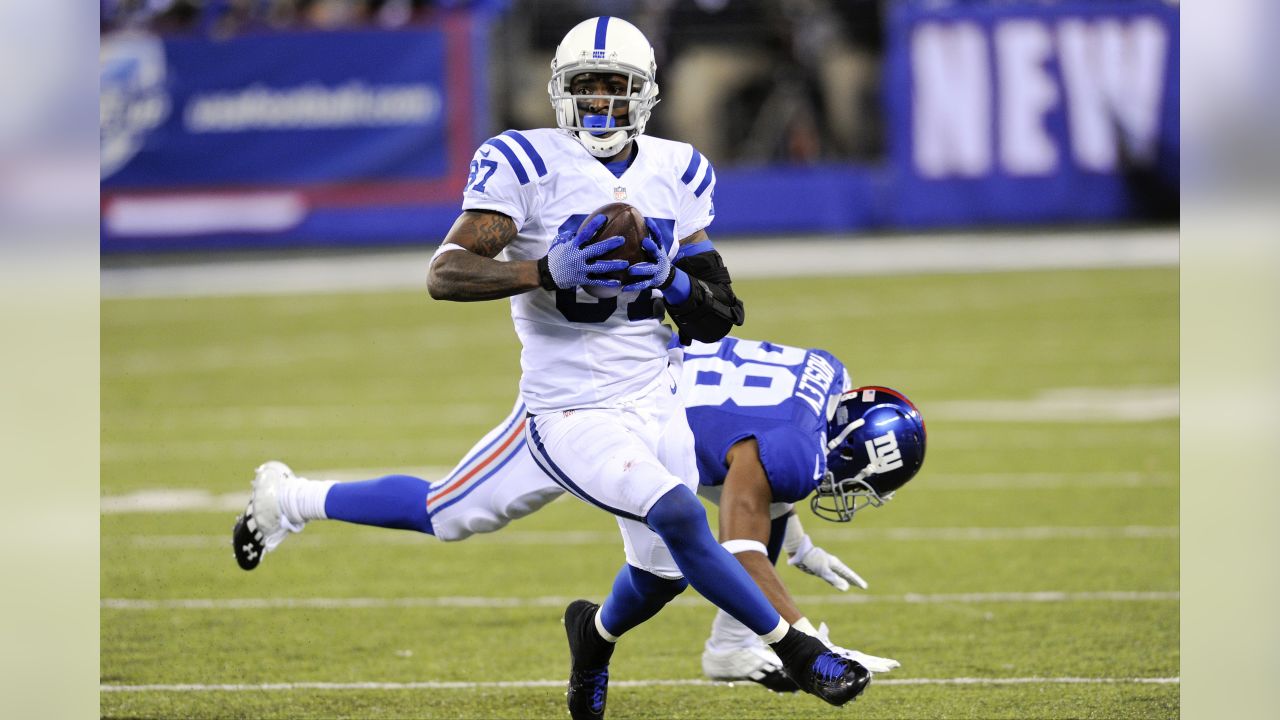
{"x":544,"y":275}
{"x":671,"y":277}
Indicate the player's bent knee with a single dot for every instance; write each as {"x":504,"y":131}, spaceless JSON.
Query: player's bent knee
{"x":676,"y":514}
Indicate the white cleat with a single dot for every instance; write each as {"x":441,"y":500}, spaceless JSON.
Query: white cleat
{"x":263,"y":526}
{"x":757,"y":663}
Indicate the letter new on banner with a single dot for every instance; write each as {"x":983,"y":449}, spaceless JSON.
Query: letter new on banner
{"x":1031,"y":113}
{"x":286,"y":138}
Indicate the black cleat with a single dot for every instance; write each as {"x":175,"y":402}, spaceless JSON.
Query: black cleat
{"x":589,"y":655}
{"x":246,"y":540}
{"x":835,"y":679}
{"x":777,"y":681}
{"x":820,"y":672}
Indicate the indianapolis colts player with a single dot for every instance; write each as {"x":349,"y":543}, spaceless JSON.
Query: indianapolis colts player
{"x":604,"y":420}
{"x":773,"y":424}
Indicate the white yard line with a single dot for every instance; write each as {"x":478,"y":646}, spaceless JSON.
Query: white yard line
{"x":1042,"y":480}
{"x":1088,"y":404}
{"x":559,"y":601}
{"x":462,"y":685}
{"x":759,"y":257}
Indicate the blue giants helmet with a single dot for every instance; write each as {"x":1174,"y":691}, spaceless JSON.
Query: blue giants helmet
{"x":875,"y":444}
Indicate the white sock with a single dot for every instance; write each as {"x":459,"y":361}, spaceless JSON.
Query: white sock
{"x":806,"y":627}
{"x":729,"y":634}
{"x":777,"y":633}
{"x":604,"y":633}
{"x":304,"y":500}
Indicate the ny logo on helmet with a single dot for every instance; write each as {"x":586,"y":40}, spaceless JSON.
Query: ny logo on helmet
{"x":884,"y":453}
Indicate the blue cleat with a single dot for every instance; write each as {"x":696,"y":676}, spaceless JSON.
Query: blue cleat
{"x":820,"y":672}
{"x":835,"y":679}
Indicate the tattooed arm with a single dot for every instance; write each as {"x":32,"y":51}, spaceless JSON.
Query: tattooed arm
{"x":472,"y":273}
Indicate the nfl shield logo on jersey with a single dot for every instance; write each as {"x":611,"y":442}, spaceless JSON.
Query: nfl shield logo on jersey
{"x":619,"y":193}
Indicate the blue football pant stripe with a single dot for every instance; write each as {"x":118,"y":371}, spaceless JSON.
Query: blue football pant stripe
{"x":559,"y":477}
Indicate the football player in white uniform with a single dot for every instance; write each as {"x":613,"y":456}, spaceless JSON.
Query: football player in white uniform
{"x":604,"y":418}
{"x":773,"y":425}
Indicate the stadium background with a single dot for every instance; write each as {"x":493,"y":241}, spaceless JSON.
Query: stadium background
{"x":1033,"y":572}
{"x":258,"y":123}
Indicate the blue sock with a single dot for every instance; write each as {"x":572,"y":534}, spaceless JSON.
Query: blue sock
{"x":637,"y":596}
{"x":680,"y":521}
{"x":394,"y":501}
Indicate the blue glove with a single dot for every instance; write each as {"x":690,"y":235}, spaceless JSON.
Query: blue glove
{"x":568,"y":264}
{"x":650,"y":274}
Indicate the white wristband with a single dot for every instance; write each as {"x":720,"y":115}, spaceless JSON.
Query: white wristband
{"x":444,"y":248}
{"x":741,"y":546}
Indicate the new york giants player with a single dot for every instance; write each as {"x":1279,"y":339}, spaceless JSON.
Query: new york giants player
{"x":775,"y":425}
{"x":772,"y":425}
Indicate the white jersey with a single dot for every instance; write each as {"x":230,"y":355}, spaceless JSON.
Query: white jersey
{"x":579,"y":351}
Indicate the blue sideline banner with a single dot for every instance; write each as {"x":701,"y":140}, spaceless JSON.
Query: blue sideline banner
{"x":1030,"y":112}
{"x":279,"y":138}
{"x":998,"y":113}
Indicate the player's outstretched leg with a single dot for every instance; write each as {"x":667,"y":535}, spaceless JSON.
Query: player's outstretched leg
{"x":589,"y":654}
{"x":263,"y":526}
{"x":819,"y":671}
{"x":283,"y":503}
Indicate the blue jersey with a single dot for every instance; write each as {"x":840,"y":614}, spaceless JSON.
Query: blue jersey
{"x":781,"y":396}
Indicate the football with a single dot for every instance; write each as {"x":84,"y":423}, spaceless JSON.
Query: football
{"x":621,"y":219}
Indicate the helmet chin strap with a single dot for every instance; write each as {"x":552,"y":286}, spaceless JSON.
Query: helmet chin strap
{"x":835,"y":442}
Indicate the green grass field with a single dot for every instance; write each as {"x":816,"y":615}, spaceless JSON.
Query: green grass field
{"x":1029,"y":571}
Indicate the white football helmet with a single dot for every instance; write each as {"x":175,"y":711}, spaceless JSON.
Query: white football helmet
{"x":606,"y":45}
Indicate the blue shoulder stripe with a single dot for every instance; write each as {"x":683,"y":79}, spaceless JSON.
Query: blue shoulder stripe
{"x":702,"y":186}
{"x":516,"y":165}
{"x":692,"y":171}
{"x":523,"y":142}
